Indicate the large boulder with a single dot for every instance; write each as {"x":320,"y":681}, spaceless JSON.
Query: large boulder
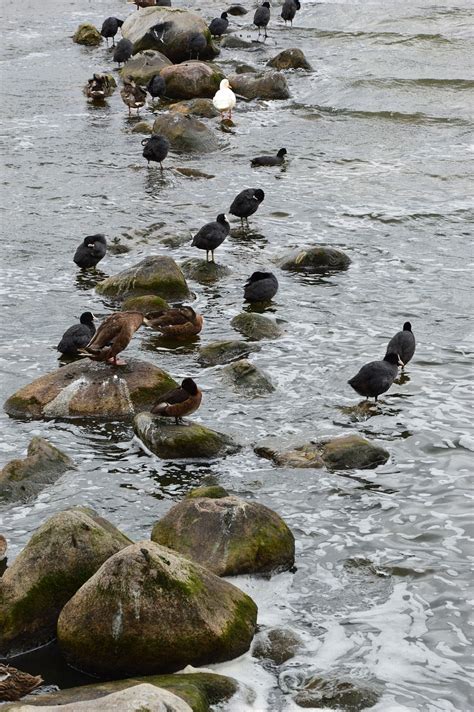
{"x":227,"y":535}
{"x":204,"y":272}
{"x":316,"y":259}
{"x":219,"y":352}
{"x":43,"y":465}
{"x":257,"y":85}
{"x":148,"y":610}
{"x":196,"y":107}
{"x":246,"y":378}
{"x":156,"y":274}
{"x":88,"y":389}
{"x":87,"y":34}
{"x":145,"y":304}
{"x":185,"y":133}
{"x":256,"y":326}
{"x":171,"y":441}
{"x":192,"y":79}
{"x":350,"y":452}
{"x":145,"y":65}
{"x":175,"y":40}
{"x":60,"y":556}
{"x":292,"y":58}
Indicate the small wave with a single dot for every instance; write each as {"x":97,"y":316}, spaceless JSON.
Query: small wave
{"x":428,"y":82}
{"x":387,"y":37}
{"x":412,"y":118}
{"x":384,"y":218}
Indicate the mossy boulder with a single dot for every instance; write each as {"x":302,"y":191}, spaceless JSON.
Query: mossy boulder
{"x":302,"y":456}
{"x":149,"y":610}
{"x":235,"y":42}
{"x":338,"y":693}
{"x":144,"y":304}
{"x":260,"y":85}
{"x":276,"y":644}
{"x":43,"y":465}
{"x":316,"y":259}
{"x":220,"y":352}
{"x":256,"y":326}
{"x":228,"y":535}
{"x":142,"y":127}
{"x":210,"y":491}
{"x":185,"y":133}
{"x":191,"y":79}
{"x":156,"y":274}
{"x":204,"y":272}
{"x":247,"y":378}
{"x":87,"y":34}
{"x":174,"y":44}
{"x":190,"y":440}
{"x":60,"y":556}
{"x":144,"y":66}
{"x":88,"y":389}
{"x":292,"y":58}
{"x":196,"y":107}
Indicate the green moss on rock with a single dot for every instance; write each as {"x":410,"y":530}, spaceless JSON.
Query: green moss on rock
{"x":145,"y":304}
{"x":87,"y":34}
{"x":158,"y":275}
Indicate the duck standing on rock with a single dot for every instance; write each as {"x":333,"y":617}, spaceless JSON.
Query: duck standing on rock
{"x":110,"y":27}
{"x":123,"y":51}
{"x":77,"y":336}
{"x":177,"y":321}
{"x":155,"y":148}
{"x":133,"y":95}
{"x":180,"y":401}
{"x":218,"y":25}
{"x":113,"y":336}
{"x":211,"y":235}
{"x":277,"y":160}
{"x":403,"y":343}
{"x":376,"y":377}
{"x":260,"y":287}
{"x":246,"y":203}
{"x":90,"y":251}
{"x":262,"y":18}
{"x":224,"y":99}
{"x":15,"y":684}
{"x":289,"y":9}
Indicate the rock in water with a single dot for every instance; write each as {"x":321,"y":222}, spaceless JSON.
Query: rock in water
{"x":156,"y":274}
{"x":290,"y":59}
{"x":277,"y":645}
{"x":196,"y":107}
{"x":192,"y":79}
{"x":185,"y":133}
{"x":227,"y":535}
{"x":144,"y":66}
{"x":266,"y":85}
{"x":316,"y":259}
{"x":60,"y":556}
{"x":219,"y":352}
{"x":338,"y":693}
{"x":256,"y":326}
{"x":204,"y":272}
{"x":87,"y":34}
{"x":90,"y":389}
{"x":247,"y":378}
{"x":43,"y":465}
{"x":148,"y":610}
{"x":190,"y":440}
{"x":145,"y":304}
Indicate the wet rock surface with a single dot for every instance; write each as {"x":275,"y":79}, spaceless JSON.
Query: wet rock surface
{"x":220,"y":352}
{"x":290,"y":59}
{"x":341,"y":453}
{"x":145,"y":65}
{"x":186,"y":133}
{"x":156,"y":274}
{"x":256,"y":326}
{"x":145,"y":304}
{"x":196,"y":107}
{"x":192,"y":79}
{"x":316,"y":259}
{"x":246,"y":378}
{"x":204,"y":272}
{"x":337,"y":693}
{"x":277,"y":645}
{"x":87,"y":34}
{"x":266,"y":85}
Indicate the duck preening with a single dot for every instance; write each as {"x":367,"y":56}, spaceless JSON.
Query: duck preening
{"x":123,"y":51}
{"x":155,"y":148}
{"x":180,"y":401}
{"x":99,"y":87}
{"x":156,"y":87}
{"x":113,"y":336}
{"x":211,"y":235}
{"x":218,"y":25}
{"x":246,"y":203}
{"x":376,"y":377}
{"x":224,"y":99}
{"x":110,"y":27}
{"x":262,"y":18}
{"x":403,"y":343}
{"x":133,"y":95}
{"x":77,"y":336}
{"x":277,"y":160}
{"x":176,"y":321}
{"x":15,"y":684}
{"x":260,"y":287}
{"x":90,"y":251}
{"x":289,"y":9}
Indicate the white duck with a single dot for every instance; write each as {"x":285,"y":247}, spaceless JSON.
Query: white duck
{"x":224,"y":99}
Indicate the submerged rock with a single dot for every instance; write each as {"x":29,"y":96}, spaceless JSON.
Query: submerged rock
{"x":190,"y":440}
{"x":204,"y":272}
{"x":144,"y":66}
{"x":235,"y":42}
{"x":276,"y":644}
{"x":256,"y":326}
{"x":307,"y":455}
{"x":60,"y":556}
{"x":87,"y":34}
{"x":43,"y":465}
{"x":197,"y":107}
{"x":220,"y":352}
{"x":290,"y":59}
{"x":89,"y":389}
{"x":193,"y":173}
{"x":247,"y":378}
{"x":227,"y":535}
{"x":150,"y":610}
{"x":145,"y":304}
{"x":191,"y":79}
{"x":316,"y":259}
{"x":185,"y":133}
{"x":156,"y":274}
{"x":266,"y":85}
{"x":337,"y":693}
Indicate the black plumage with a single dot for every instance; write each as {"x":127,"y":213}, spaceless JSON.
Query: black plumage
{"x":157,"y":33}
{"x":403,"y":344}
{"x":289,"y":9}
{"x":156,"y":86}
{"x":110,"y":27}
{"x":218,"y":25}
{"x":261,"y":287}
{"x":376,"y":377}
{"x":123,"y":51}
{"x":197,"y":44}
{"x":155,"y":148}
{"x":270,"y":160}
{"x":246,"y":203}
{"x":90,"y":251}
{"x":211,"y":235}
{"x":262,"y":17}
{"x":77,"y":336}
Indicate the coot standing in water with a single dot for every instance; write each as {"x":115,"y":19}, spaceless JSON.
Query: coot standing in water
{"x":246,"y":203}
{"x":110,"y":27}
{"x":262,"y":18}
{"x":90,"y":251}
{"x":155,"y":148}
{"x":376,"y":377}
{"x":261,"y":287}
{"x":211,"y":235}
{"x":77,"y":336}
{"x":403,"y":343}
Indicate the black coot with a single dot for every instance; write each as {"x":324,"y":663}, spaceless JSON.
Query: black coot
{"x":270,"y":160}
{"x":261,"y":287}
{"x":156,"y":86}
{"x":211,"y":235}
{"x":197,"y":44}
{"x":262,"y":17}
{"x":218,"y":25}
{"x":155,"y":148}
{"x":246,"y":203}
{"x":77,"y":336}
{"x":288,"y":11}
{"x":90,"y":251}
{"x":110,"y":27}
{"x":123,"y":51}
{"x":403,"y":344}
{"x":376,"y":377}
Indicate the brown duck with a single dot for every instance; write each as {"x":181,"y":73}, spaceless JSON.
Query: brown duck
{"x":14,"y":684}
{"x":133,"y":95}
{"x":99,"y":87}
{"x":178,"y":321}
{"x":180,"y":401}
{"x":113,"y":336}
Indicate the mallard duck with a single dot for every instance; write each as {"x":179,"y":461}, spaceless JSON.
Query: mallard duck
{"x":15,"y":684}
{"x":110,"y":27}
{"x":288,"y":11}
{"x":123,"y":51}
{"x":180,"y":401}
{"x":77,"y":336}
{"x":262,"y":17}
{"x":224,"y":99}
{"x":133,"y":95}
{"x":155,"y":148}
{"x":91,"y":250}
{"x":113,"y":336}
{"x":403,"y":344}
{"x":277,"y":160}
{"x":99,"y":87}
{"x":218,"y":25}
{"x":261,"y":287}
{"x":211,"y":235}
{"x":178,"y":321}
{"x":246,"y":203}
{"x":376,"y":377}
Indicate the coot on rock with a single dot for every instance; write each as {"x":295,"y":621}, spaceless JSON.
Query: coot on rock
{"x":90,"y":251}
{"x":211,"y":235}
{"x":261,"y":287}
{"x":376,"y":377}
{"x":77,"y":336}
{"x":218,"y":25}
{"x":403,"y":343}
{"x":246,"y":203}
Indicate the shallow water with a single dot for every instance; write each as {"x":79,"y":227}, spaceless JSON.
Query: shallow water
{"x":379,"y":139}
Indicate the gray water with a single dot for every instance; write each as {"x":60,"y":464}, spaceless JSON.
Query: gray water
{"x":379,"y":139}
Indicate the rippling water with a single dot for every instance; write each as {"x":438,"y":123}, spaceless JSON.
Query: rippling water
{"x":380,"y":143}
